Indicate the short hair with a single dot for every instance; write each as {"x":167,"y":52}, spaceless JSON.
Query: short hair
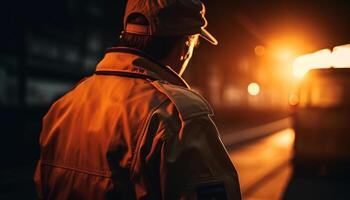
{"x":158,"y":47}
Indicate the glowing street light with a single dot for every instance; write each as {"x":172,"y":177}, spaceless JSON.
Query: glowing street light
{"x":253,"y":89}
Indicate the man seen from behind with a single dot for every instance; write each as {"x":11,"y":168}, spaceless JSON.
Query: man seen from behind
{"x":135,"y":129}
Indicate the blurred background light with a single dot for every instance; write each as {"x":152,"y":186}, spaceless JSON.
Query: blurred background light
{"x":341,"y":56}
{"x":325,"y":58}
{"x":293,"y":100}
{"x":259,"y":50}
{"x":319,"y":59}
{"x":253,"y":89}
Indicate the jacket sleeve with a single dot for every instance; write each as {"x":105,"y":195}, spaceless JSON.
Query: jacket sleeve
{"x":195,"y":164}
{"x":184,"y":159}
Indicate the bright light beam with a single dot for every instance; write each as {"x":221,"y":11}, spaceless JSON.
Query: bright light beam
{"x":319,"y":59}
{"x":341,"y":56}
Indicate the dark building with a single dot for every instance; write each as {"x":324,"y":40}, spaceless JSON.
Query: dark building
{"x":47,"y":46}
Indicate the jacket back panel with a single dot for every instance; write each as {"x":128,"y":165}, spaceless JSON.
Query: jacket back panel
{"x":88,"y":132}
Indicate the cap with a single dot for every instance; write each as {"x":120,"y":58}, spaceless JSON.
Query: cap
{"x":169,"y":18}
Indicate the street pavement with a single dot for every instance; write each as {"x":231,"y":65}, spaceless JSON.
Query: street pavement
{"x":264,"y":165}
{"x":266,"y":172}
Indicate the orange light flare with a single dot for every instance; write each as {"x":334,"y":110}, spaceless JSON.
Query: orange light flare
{"x":282,"y":57}
{"x":287,"y":46}
{"x":285,"y":55}
{"x":283,"y":52}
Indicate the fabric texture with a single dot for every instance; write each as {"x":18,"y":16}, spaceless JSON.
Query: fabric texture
{"x":136,"y":132}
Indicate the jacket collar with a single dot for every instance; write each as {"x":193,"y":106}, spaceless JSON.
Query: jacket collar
{"x":128,"y":61}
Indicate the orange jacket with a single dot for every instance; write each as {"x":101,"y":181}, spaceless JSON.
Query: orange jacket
{"x":133,"y":130}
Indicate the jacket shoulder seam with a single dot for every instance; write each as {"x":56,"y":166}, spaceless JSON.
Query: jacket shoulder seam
{"x":189,"y":103}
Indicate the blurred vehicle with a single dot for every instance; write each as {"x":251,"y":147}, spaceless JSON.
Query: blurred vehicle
{"x":322,"y":118}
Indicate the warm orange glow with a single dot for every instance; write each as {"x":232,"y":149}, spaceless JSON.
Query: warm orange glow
{"x":286,"y":45}
{"x":341,"y":56}
{"x":259,"y":50}
{"x":319,"y":59}
{"x":284,"y":54}
{"x":253,"y":89}
{"x":293,"y":100}
{"x":286,"y":139}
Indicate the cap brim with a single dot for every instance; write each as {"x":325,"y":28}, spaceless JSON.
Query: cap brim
{"x":208,"y":37}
